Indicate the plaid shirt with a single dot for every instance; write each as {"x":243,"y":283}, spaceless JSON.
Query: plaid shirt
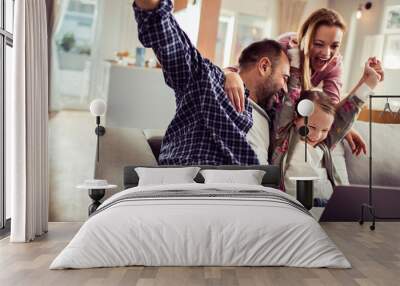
{"x":206,"y":129}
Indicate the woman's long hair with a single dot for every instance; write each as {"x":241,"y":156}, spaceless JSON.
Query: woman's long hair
{"x":306,"y":33}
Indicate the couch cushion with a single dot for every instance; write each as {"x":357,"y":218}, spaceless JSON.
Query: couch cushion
{"x":339,"y":161}
{"x":385,"y":155}
{"x":154,"y":137}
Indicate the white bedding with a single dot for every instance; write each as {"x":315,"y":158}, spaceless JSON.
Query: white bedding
{"x":200,"y":231}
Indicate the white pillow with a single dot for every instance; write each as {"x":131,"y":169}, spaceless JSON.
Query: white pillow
{"x":248,"y":177}
{"x":165,"y":176}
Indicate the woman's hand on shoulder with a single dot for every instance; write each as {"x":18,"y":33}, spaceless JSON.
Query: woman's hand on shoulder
{"x":293,"y":52}
{"x":294,"y":57}
{"x":234,"y":89}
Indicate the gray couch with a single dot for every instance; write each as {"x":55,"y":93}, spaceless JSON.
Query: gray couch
{"x":122,"y":147}
{"x":385,"y":154}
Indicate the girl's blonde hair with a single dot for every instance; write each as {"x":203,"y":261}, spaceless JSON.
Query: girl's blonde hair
{"x":306,"y":33}
{"x":320,"y":98}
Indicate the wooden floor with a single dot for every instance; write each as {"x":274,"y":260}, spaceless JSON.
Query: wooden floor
{"x":375,"y":257}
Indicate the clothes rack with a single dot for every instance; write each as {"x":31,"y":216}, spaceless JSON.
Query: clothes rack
{"x":369,"y":206}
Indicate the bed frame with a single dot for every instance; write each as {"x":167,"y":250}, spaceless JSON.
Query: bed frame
{"x":271,"y":178}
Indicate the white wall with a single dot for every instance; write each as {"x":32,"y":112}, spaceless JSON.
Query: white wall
{"x":138,"y":98}
{"x":391,"y":84}
{"x":353,"y":39}
{"x":252,"y":7}
{"x":261,"y":8}
{"x":369,"y":24}
{"x":269,"y":10}
{"x":311,"y":6}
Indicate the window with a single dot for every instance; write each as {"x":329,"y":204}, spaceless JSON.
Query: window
{"x":224,"y":39}
{"x":6,"y":45}
{"x":72,"y":49}
{"x":249,"y":29}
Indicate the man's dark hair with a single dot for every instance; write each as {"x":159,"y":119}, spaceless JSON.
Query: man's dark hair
{"x":255,"y":51}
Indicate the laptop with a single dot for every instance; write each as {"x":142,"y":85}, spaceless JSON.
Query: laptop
{"x":345,"y":203}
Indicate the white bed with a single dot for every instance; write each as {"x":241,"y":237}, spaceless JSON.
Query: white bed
{"x":188,"y":231}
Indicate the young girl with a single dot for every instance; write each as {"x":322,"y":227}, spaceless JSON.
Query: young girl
{"x":327,"y":125}
{"x":292,"y":160}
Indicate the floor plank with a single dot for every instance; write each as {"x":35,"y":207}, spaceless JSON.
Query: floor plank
{"x":374,"y":255}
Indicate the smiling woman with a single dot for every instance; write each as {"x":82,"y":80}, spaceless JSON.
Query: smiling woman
{"x":320,"y":37}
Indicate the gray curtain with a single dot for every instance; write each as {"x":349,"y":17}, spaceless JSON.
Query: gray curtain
{"x":50,"y":23}
{"x":27,"y":123}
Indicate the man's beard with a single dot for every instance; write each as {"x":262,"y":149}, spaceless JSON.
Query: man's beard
{"x":265,"y":94}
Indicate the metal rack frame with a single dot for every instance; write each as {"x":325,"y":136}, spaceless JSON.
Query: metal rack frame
{"x":369,"y":206}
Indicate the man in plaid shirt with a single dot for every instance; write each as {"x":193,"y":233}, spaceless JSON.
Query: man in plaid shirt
{"x":206,"y":129}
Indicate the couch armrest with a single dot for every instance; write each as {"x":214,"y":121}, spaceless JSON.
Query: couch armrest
{"x":120,"y":147}
{"x":154,"y":137}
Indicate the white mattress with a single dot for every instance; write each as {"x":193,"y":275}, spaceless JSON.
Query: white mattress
{"x":204,"y":231}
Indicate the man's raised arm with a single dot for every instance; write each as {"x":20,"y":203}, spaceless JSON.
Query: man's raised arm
{"x":158,"y":29}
